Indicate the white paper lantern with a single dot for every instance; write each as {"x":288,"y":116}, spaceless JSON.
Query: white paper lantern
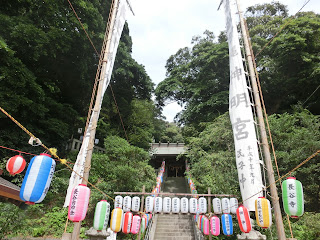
{"x":118,"y":200}
{"x":217,"y":208}
{"x":175,"y":204}
{"x":126,"y":204}
{"x":149,"y":204}
{"x":233,"y":205}
{"x":193,"y":205}
{"x":225,"y":202}
{"x":166,"y":208}
{"x":184,"y":205}
{"x":202,"y":205}
{"x":158,"y":205}
{"x":135,"y":204}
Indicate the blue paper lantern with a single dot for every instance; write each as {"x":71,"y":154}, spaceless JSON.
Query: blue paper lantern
{"x":38,"y":178}
{"x":227,"y":225}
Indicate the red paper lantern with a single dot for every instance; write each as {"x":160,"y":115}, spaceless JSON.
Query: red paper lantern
{"x":127,"y":222}
{"x":16,"y":164}
{"x":244,"y":219}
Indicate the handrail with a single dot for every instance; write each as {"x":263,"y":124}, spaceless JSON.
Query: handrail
{"x":148,"y":230}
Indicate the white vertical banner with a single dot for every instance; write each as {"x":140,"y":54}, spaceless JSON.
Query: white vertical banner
{"x":112,"y":51}
{"x":245,"y":140}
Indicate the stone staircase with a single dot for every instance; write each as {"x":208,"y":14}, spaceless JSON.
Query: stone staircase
{"x":175,"y":185}
{"x":174,"y":226}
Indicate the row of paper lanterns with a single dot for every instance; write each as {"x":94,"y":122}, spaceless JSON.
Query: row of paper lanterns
{"x":41,"y":168}
{"x":263,"y":217}
{"x":120,"y":220}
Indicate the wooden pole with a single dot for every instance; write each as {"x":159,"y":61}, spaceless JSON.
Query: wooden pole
{"x":95,"y":114}
{"x":141,"y":209}
{"x":209,"y":210}
{"x":264,"y":140}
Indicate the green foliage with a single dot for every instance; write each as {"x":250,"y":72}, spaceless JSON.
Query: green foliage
{"x":45,"y":221}
{"x":196,"y":78}
{"x":172,"y":134}
{"x":123,"y":168}
{"x":289,"y":66}
{"x":212,"y":159}
{"x":296,"y":136}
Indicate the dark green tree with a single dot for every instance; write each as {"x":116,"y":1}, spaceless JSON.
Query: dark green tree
{"x":198,"y":79}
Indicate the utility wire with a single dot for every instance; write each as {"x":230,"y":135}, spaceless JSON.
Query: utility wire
{"x":98,"y":71}
{"x":311,"y":95}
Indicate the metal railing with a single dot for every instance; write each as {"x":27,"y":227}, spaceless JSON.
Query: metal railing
{"x":148,"y":233}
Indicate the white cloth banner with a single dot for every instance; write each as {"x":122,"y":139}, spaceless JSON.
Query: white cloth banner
{"x":112,"y":51}
{"x":245,"y":140}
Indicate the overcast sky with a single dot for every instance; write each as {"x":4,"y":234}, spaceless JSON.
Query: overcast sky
{"x":161,"y":27}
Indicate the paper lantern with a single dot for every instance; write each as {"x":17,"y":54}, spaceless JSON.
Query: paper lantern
{"x":217,"y":208}
{"x":127,"y":204}
{"x":166,"y":207}
{"x":225,"y":202}
{"x":135,"y":204}
{"x":158,"y":205}
{"x":16,"y":164}
{"x":118,"y":201}
{"x":101,"y":215}
{"x":135,"y":227}
{"x":143,"y":225}
{"x":233,"y":205}
{"x":227,"y":225}
{"x":175,"y":205}
{"x":79,"y":202}
{"x":184,"y":205}
{"x":199,"y":221}
{"x":205,"y":226}
{"x":263,"y":212}
{"x":149,"y":204}
{"x":193,"y":205}
{"x":202,"y":205}
{"x":127,"y":220}
{"x":215,"y":226}
{"x":292,"y":197}
{"x":116,"y":219}
{"x":244,"y":219}
{"x":38,"y":178}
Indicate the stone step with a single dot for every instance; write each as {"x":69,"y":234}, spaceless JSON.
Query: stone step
{"x":173,"y":234}
{"x":164,"y":230}
{"x":173,"y":238}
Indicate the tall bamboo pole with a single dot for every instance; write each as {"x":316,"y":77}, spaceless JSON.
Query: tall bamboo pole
{"x":263,"y":133}
{"x":95,"y":113}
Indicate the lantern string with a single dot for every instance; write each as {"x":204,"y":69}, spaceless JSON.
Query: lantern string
{"x":50,"y":150}
{"x":11,"y":149}
{"x":21,"y":152}
{"x":288,"y":173}
{"x":53,"y":152}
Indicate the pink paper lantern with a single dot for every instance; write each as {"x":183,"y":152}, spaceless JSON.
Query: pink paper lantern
{"x":215,"y":226}
{"x":79,"y":202}
{"x":135,"y":227}
{"x":16,"y":164}
{"x":205,"y":226}
{"x":244,"y":219}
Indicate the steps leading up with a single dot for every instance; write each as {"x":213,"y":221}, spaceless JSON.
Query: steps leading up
{"x":174,"y":227}
{"x":175,"y":185}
